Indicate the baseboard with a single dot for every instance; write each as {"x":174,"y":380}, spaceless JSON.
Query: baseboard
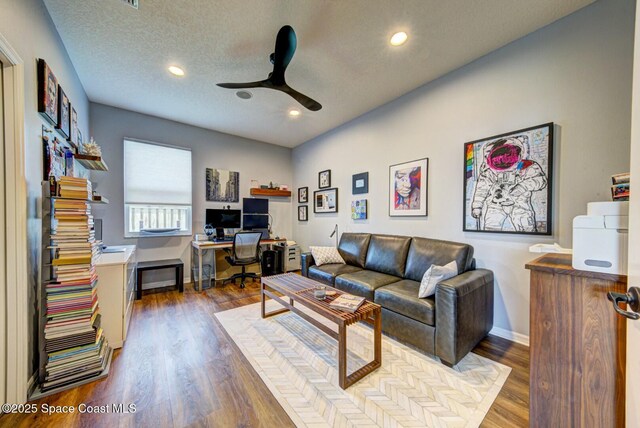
{"x":160,"y":284}
{"x":520,"y":338}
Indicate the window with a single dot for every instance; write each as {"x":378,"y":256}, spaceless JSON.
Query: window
{"x":157,"y":190}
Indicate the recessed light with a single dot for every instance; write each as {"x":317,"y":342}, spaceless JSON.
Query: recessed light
{"x":398,"y":38}
{"x":245,"y":95}
{"x":294,"y":112}
{"x":176,"y":71}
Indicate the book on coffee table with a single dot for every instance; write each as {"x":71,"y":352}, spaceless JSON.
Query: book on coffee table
{"x":347,"y":303}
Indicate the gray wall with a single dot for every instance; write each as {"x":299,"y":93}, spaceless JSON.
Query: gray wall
{"x":29,"y":30}
{"x":575,"y":72}
{"x":210,"y":149}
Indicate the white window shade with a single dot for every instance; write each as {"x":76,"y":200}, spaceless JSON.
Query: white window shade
{"x":156,"y":174}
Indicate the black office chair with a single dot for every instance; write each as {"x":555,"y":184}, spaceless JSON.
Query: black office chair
{"x":245,"y":251}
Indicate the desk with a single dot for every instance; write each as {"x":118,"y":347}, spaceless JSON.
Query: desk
{"x":197,"y":247}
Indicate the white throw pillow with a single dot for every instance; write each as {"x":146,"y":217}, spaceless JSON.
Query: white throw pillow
{"x":434,"y":275}
{"x":326,"y":255}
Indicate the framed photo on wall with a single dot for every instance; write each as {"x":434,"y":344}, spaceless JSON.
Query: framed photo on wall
{"x":64,"y":113}
{"x":359,"y":209}
{"x":325,"y":201}
{"x":324,"y":179}
{"x":360,"y":183}
{"x":222,"y":185}
{"x":408,"y":188}
{"x":303,"y":213}
{"x":303,"y":195}
{"x":73,"y":131}
{"x":508,"y":182}
{"x":47,"y":93}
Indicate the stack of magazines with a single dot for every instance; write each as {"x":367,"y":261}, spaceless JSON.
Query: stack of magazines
{"x":75,"y":346}
{"x":347,"y":303}
{"x":620,"y":187}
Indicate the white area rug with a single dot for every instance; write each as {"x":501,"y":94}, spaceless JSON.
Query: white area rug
{"x":298,"y":363}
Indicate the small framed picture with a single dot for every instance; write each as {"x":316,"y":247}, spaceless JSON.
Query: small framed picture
{"x":324,"y":179}
{"x":64,"y":113}
{"x":303,"y":213}
{"x":80,"y":141}
{"x":360,"y":183}
{"x":47,"y":93}
{"x":359,"y":209}
{"x":408,"y":188}
{"x":73,"y":131}
{"x":303,"y":195}
{"x":325,"y":201}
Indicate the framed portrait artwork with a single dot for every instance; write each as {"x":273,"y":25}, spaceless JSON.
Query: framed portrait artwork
{"x":325,"y":201}
{"x":408,"y":188}
{"x":324,"y":179}
{"x":303,"y":195}
{"x":64,"y":113}
{"x":303,"y":213}
{"x":360,"y":183}
{"x":508,"y":182}
{"x":73,"y":131}
{"x":359,"y":209}
{"x":47,"y":93}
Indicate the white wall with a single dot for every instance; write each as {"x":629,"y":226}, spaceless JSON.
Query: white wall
{"x":210,"y":149}
{"x":575,"y":72}
{"x":28,"y":28}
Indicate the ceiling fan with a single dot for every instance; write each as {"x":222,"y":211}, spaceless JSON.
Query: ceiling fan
{"x":285,"y":48}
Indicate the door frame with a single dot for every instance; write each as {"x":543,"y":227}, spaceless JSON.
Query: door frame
{"x":17,"y":375}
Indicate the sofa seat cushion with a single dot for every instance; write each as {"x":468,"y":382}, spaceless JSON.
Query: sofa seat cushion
{"x":327,"y":273}
{"x":363,"y":283}
{"x":402,"y":297}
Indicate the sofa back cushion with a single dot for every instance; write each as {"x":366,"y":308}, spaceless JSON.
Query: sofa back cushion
{"x":425,"y":252}
{"x":388,"y":254}
{"x":353,"y":248}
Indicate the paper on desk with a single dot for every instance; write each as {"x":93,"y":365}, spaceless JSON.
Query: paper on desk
{"x":549,"y":248}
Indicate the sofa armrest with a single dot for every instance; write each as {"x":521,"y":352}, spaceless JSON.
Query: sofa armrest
{"x":464,"y":313}
{"x":307,"y":261}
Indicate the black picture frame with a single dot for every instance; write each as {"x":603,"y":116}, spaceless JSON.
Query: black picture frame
{"x":360,"y":183}
{"x":303,"y":195}
{"x":64,"y":113}
{"x":47,"y":93}
{"x":541,"y":138}
{"x":303,"y":213}
{"x":73,"y":128}
{"x":324,"y":179}
{"x":331,"y":195}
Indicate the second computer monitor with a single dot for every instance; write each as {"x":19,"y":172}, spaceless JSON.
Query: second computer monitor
{"x":255,"y":221}
{"x":255,"y":206}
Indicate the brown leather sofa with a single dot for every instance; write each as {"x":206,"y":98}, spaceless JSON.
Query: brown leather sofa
{"x":388,"y":269}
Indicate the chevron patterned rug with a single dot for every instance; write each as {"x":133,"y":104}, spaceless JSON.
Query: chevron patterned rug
{"x":298,"y":363}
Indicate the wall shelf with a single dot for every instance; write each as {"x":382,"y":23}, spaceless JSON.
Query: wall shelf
{"x":92,"y":162}
{"x":270,"y":192}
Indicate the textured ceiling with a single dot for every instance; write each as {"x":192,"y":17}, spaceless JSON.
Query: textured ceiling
{"x":343,"y":58}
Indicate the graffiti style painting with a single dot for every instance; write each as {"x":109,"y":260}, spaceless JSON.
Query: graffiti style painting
{"x":507,"y":182}
{"x":408,"y":188}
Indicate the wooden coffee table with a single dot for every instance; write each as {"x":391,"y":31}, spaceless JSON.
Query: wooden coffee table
{"x":299,"y":289}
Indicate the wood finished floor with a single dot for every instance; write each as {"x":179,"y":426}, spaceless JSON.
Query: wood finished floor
{"x":181,"y":369}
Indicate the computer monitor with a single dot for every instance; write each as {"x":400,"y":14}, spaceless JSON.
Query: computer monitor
{"x":255,"y":221}
{"x":224,"y":219}
{"x":255,"y":206}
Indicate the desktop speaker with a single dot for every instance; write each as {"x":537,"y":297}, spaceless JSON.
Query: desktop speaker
{"x":270,"y":263}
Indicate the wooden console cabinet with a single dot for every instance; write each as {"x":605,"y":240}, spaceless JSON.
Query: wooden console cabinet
{"x":577,"y":346}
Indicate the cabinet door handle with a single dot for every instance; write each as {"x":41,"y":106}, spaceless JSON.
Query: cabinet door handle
{"x":631,"y":298}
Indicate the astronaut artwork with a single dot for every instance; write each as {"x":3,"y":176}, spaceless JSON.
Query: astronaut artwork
{"x":507,"y":182}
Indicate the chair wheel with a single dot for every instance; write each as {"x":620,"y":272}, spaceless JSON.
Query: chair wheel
{"x":242,"y":284}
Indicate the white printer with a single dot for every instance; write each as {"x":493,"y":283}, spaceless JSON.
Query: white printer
{"x":600,"y":238}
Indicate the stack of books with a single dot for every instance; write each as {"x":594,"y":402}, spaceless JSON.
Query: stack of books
{"x":347,"y":302}
{"x":620,"y":188}
{"x":75,"y":346}
{"x":76,"y":188}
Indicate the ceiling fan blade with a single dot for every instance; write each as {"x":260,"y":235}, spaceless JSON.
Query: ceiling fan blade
{"x":259,"y":84}
{"x":286,"y":42}
{"x":307,"y":102}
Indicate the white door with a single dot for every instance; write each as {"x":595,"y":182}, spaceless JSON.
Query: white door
{"x":3,"y":273}
{"x":633,"y":327}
